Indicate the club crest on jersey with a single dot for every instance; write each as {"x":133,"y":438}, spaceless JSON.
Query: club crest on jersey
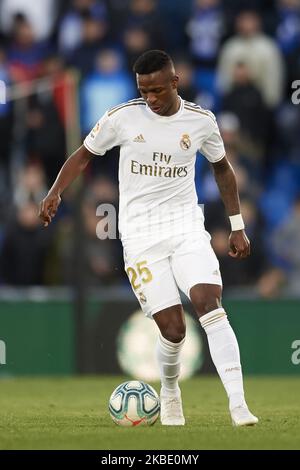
{"x":185,"y":142}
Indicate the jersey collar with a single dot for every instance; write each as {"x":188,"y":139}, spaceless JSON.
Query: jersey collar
{"x":166,"y":118}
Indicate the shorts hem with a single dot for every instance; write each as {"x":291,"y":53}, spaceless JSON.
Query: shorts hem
{"x":187,"y":293}
{"x":170,"y":303}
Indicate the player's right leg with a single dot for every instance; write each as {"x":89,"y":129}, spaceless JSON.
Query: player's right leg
{"x":171,"y":323}
{"x":153,"y":283}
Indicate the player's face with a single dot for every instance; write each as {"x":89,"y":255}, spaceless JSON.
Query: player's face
{"x":159,"y":90}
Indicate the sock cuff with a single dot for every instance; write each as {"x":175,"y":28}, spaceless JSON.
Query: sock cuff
{"x":167,"y":343}
{"x":213,"y":317}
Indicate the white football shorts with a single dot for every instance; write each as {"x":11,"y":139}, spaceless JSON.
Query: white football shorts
{"x":157,"y":268}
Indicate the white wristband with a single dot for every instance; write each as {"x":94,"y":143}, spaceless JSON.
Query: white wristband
{"x":236,"y":222}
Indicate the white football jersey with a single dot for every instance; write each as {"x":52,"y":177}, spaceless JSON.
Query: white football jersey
{"x":157,"y":164}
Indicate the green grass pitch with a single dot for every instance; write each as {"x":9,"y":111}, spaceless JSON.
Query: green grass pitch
{"x":71,"y":413}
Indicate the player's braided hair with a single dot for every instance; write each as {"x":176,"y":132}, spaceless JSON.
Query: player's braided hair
{"x":151,"y":61}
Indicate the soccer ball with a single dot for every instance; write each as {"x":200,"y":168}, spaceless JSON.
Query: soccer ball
{"x":134,"y":403}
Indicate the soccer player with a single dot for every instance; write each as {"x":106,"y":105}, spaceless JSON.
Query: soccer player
{"x":161,"y":225}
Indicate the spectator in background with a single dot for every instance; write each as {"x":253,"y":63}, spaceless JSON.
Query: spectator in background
{"x":285,"y":247}
{"x":55,"y":72}
{"x":24,"y":249}
{"x":136,"y":40}
{"x":45,"y":137}
{"x":205,"y":30}
{"x":207,"y":189}
{"x":6,"y":125}
{"x":176,"y":14}
{"x":186,"y":86}
{"x":94,"y":38}
{"x":70,"y":29}
{"x":102,"y":258}
{"x":25,"y":54}
{"x":245,"y":101}
{"x":142,"y":14}
{"x":41,"y":15}
{"x":31,"y":185}
{"x":230,"y":128}
{"x":100,"y":254}
{"x":288,"y":28}
{"x":288,"y":135}
{"x":248,"y":176}
{"x":108,"y":86}
{"x":288,"y":37}
{"x":259,"y":52}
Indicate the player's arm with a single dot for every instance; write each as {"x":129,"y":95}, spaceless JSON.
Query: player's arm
{"x":226,"y":181}
{"x":72,"y":168}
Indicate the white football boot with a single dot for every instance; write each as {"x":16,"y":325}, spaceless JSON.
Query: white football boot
{"x":171,"y":413}
{"x":241,"y":416}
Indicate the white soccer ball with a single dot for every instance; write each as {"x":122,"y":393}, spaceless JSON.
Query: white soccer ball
{"x":134,"y":403}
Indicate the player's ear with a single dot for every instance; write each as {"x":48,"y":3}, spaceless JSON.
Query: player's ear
{"x":175,"y":81}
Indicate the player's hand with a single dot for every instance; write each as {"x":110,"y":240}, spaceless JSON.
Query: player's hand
{"x":239,"y":244}
{"x":48,"y":208}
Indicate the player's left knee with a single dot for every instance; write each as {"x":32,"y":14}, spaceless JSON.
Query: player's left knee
{"x":205,"y":298}
{"x":206,"y":304}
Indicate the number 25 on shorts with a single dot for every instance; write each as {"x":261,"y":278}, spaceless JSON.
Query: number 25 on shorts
{"x":142,"y":272}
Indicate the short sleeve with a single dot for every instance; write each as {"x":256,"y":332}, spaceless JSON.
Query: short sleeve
{"x":213,"y":147}
{"x":102,"y":137}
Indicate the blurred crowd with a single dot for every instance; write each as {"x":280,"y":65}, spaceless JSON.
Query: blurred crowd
{"x":239,"y":59}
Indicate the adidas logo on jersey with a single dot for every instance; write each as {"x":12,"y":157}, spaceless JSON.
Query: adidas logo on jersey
{"x":140,"y":139}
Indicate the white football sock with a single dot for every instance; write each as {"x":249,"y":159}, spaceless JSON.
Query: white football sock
{"x":225,"y":354}
{"x":168,"y":359}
